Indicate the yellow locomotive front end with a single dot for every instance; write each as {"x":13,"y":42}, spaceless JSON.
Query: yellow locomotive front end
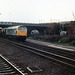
{"x":22,"y":32}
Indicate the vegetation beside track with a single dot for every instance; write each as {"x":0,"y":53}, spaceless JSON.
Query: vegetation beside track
{"x":67,"y":41}
{"x":56,"y":39}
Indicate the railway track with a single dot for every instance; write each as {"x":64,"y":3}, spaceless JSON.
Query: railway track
{"x":66,"y":53}
{"x":7,"y":68}
{"x":64,"y":57}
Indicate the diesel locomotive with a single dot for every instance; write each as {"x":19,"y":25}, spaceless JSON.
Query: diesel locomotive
{"x":18,"y":32}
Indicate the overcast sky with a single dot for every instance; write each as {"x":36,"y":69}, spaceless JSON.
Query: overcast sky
{"x":36,"y":11}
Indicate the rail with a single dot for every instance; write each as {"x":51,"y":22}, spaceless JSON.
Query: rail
{"x":7,"y":68}
{"x":54,"y":56}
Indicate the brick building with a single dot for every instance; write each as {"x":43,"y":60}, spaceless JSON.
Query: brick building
{"x":71,"y":29}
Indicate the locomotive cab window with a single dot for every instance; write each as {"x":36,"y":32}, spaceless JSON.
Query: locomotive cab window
{"x":20,"y":29}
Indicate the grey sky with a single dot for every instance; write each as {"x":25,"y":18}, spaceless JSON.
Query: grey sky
{"x":35,"y":11}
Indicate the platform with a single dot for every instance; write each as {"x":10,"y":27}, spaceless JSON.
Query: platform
{"x":63,"y":47}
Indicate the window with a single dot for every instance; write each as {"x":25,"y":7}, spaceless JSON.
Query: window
{"x":20,"y":29}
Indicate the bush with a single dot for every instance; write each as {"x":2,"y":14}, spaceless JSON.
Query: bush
{"x":72,"y":43}
{"x":54,"y":38}
{"x":64,"y":40}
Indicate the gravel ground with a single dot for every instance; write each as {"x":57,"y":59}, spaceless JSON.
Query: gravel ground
{"x":24,"y":59}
